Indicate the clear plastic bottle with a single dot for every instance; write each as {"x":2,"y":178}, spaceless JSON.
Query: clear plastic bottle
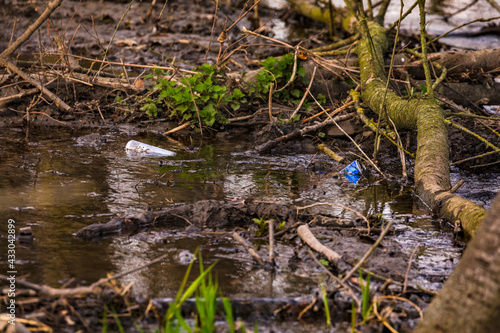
{"x":144,"y":148}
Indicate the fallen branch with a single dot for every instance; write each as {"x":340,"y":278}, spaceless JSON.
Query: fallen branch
{"x":334,"y":113}
{"x":330,"y":152}
{"x":308,"y":237}
{"x":31,"y":29}
{"x":178,"y":128}
{"x":59,"y":102}
{"x":271,"y":240}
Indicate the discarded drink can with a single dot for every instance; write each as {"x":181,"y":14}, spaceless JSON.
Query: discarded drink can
{"x":147,"y":149}
{"x":355,"y":168}
{"x":353,"y":171}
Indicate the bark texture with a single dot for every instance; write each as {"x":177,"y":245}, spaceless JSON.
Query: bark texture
{"x":465,"y":63}
{"x":340,"y":15}
{"x":470,"y":300}
{"x":432,"y":177}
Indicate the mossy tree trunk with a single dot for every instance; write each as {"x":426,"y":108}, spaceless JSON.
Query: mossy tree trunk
{"x":470,"y":299}
{"x":432,"y":177}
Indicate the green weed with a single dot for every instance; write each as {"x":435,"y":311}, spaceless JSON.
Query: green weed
{"x":366,"y":304}
{"x":200,"y":94}
{"x":206,"y":291}
{"x":206,"y":303}
{"x":263,"y":226}
{"x":229,"y":314}
{"x":279,"y":72}
{"x":325,"y":302}
{"x":173,"y":318}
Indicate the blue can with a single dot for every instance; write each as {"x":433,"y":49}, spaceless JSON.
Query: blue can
{"x":353,"y":169}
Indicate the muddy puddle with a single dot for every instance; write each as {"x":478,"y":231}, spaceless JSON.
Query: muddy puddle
{"x":58,"y":184}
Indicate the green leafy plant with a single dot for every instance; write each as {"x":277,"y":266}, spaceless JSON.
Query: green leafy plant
{"x":282,"y":225}
{"x":206,"y":291}
{"x":263,"y":225}
{"x":353,"y":318}
{"x":366,"y":303}
{"x":279,"y":72}
{"x":196,"y":97}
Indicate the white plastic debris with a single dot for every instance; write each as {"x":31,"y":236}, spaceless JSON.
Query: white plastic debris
{"x":144,"y":148}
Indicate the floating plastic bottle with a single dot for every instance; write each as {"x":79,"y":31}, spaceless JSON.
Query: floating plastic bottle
{"x":353,"y":172}
{"x":144,"y":148}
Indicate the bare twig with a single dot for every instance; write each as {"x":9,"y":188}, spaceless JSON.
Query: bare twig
{"x":247,"y":247}
{"x":339,"y":205}
{"x":31,"y":29}
{"x":409,"y":266}
{"x":330,"y":152}
{"x":477,"y":136}
{"x":271,"y":240}
{"x":369,"y":252}
{"x":334,"y":113}
{"x":307,"y":92}
{"x":402,"y":299}
{"x":299,"y":132}
{"x":178,"y":128}
{"x":336,"y":279}
{"x":59,"y":102}
{"x":168,"y":68}
{"x":457,"y":186}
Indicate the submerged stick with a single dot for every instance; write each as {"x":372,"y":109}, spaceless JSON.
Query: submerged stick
{"x":339,"y":205}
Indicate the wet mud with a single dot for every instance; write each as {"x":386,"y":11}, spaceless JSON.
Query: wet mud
{"x":93,"y":206}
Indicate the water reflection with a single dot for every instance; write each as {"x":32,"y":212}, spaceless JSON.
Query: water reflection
{"x":57,"y":187}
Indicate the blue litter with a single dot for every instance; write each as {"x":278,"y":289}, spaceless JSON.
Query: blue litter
{"x":353,"y":172}
{"x":353,"y":178}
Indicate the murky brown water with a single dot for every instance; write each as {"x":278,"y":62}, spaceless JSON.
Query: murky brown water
{"x":57,"y":186}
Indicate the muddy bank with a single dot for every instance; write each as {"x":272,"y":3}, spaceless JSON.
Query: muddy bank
{"x":391,"y":269}
{"x":210,"y":214}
